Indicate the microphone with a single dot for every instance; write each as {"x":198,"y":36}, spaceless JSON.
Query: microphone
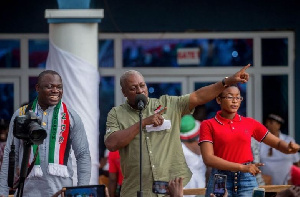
{"x":140,"y":101}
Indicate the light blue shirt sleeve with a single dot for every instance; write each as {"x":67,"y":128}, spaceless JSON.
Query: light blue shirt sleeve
{"x":80,"y":146}
{"x":4,"y":189}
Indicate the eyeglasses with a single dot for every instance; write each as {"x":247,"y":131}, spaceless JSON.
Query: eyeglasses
{"x":230,"y":98}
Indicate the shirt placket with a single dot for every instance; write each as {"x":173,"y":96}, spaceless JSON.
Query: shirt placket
{"x":232,"y":127}
{"x":44,"y":124}
{"x":151,"y":156}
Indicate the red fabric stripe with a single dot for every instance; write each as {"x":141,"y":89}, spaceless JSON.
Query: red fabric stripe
{"x":189,"y":137}
{"x":65,"y":135}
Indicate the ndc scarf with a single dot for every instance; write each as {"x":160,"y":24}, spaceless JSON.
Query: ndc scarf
{"x":59,"y":147}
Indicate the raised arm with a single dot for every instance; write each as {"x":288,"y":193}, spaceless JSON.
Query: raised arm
{"x":207,"y":93}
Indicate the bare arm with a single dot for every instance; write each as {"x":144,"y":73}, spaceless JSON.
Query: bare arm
{"x":112,"y":186}
{"x":211,"y":160}
{"x":282,"y":146}
{"x":122,"y":138}
{"x":207,"y":93}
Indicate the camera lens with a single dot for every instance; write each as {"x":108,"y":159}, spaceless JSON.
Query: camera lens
{"x":27,"y":127}
{"x":36,"y":133}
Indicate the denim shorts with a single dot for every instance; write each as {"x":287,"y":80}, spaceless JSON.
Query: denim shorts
{"x":239,"y":184}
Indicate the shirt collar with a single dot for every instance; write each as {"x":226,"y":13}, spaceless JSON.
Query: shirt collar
{"x":223,"y":121}
{"x":49,"y":108}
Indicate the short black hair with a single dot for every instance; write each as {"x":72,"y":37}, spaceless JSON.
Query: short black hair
{"x":233,"y":85}
{"x":3,"y":124}
{"x":45,"y":72}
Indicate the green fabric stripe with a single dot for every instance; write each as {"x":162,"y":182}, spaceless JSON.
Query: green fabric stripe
{"x":34,"y":104}
{"x":37,"y":161}
{"x":53,"y":132}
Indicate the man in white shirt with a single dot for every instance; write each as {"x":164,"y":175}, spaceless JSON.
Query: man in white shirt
{"x":277,"y":164}
{"x":189,"y":135}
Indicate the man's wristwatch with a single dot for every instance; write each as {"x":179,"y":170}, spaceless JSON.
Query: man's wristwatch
{"x":223,"y":82}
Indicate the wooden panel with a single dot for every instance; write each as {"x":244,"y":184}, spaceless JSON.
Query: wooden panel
{"x":268,"y":188}
{"x":275,"y":188}
{"x":196,"y":191}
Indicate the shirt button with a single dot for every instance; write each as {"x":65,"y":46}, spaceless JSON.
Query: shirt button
{"x":153,"y":166}
{"x":45,"y":113}
{"x":44,"y":124}
{"x":232,"y":127}
{"x":150,"y":152}
{"x":147,"y":138}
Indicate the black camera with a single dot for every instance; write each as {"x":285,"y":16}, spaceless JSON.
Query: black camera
{"x":28,"y":127}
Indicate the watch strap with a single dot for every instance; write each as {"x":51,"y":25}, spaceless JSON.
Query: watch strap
{"x":223,"y":82}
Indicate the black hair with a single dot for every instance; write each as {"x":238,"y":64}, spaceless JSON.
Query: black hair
{"x":45,"y":72}
{"x":234,"y":85}
{"x":3,"y":124}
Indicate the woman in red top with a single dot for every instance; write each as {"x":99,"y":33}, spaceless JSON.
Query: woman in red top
{"x":225,"y":142}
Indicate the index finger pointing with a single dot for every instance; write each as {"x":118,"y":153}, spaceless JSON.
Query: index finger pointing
{"x":245,"y":68}
{"x":259,"y":164}
{"x":162,"y":111}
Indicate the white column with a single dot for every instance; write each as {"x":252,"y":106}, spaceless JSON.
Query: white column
{"x":74,"y":33}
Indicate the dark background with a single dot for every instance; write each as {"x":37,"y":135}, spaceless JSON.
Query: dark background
{"x":19,"y":16}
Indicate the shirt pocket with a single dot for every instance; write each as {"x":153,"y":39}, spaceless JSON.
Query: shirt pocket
{"x":166,"y":118}
{"x":165,"y":127}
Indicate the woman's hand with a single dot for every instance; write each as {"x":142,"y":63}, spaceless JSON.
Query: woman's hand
{"x":252,"y":168}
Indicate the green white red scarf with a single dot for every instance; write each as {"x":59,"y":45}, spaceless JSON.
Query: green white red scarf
{"x":59,"y":145}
